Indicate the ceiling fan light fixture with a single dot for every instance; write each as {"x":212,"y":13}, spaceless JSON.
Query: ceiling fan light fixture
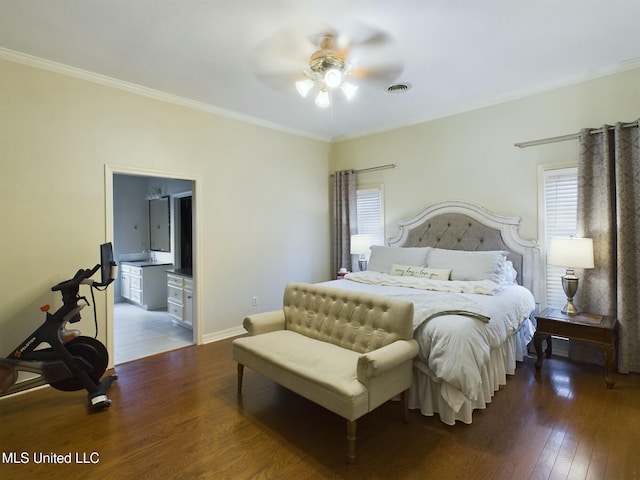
{"x":333,"y":77}
{"x":349,"y":90}
{"x":326,"y":70}
{"x":304,"y":86}
{"x":322,"y":100}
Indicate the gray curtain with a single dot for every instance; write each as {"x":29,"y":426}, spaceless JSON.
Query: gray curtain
{"x":609,"y":212}
{"x":344,"y":217}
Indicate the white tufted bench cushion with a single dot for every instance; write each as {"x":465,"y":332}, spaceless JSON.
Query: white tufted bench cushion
{"x":347,"y":351}
{"x":324,"y":372}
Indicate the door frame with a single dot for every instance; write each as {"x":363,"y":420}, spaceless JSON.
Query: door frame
{"x":110,"y":171}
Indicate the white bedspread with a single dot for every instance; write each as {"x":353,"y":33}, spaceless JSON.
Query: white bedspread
{"x":452,"y":329}
{"x":485,"y":287}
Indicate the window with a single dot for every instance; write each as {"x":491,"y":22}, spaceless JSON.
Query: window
{"x":560,"y":208}
{"x":371,"y":213}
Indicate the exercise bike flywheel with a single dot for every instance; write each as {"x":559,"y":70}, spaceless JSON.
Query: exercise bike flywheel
{"x":92,"y":352}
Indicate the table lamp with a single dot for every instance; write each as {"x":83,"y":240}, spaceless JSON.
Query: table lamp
{"x":570,"y":252}
{"x":361,"y":246}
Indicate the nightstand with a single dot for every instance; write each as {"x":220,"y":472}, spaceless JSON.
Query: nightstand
{"x":585,"y":327}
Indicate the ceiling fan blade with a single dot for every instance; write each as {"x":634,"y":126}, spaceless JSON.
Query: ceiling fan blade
{"x":278,"y":61}
{"x":374,"y":38}
{"x":381,"y":74}
{"x":280,"y":82}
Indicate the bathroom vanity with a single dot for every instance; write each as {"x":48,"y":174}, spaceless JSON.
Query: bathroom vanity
{"x":180,"y":296}
{"x":144,"y":283}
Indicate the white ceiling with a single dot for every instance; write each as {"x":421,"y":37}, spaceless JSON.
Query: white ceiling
{"x":456,"y":54}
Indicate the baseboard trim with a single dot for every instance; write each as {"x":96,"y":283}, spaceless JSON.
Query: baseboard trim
{"x":223,"y":334}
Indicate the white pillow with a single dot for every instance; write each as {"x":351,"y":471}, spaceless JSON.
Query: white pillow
{"x":510,"y":273}
{"x":421,"y":272}
{"x":476,"y":265}
{"x":383,"y":258}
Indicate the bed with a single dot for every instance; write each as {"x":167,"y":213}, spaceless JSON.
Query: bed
{"x":472,"y":280}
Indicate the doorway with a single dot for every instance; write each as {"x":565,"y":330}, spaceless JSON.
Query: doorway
{"x":145,"y":320}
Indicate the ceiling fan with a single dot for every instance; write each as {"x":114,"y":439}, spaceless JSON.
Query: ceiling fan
{"x":328,"y":62}
{"x":327,"y":70}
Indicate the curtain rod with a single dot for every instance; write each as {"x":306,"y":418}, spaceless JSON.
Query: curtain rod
{"x":563,"y":138}
{"x":373,"y":169}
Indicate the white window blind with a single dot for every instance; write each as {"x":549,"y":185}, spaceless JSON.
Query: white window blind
{"x":371,"y":213}
{"x":560,"y":217}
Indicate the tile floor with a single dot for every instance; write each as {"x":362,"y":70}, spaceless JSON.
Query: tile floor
{"x":140,"y":333}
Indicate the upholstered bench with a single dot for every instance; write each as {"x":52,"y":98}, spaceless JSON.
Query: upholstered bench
{"x":348,"y":352}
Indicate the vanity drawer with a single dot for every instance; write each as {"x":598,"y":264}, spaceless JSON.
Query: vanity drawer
{"x":134,"y":282}
{"x":172,"y":280}
{"x":137,"y":271}
{"x":174,"y":310}
{"x":136,"y":295}
{"x":174,"y":294}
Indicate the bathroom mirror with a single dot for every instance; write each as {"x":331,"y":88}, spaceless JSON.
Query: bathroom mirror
{"x":159,"y":225}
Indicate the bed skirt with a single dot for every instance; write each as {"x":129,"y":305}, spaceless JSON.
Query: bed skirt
{"x":428,"y":394}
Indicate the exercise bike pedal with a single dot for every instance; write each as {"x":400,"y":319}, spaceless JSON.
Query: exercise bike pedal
{"x":99,"y":401}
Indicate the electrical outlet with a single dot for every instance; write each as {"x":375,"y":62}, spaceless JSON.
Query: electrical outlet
{"x":254,"y":301}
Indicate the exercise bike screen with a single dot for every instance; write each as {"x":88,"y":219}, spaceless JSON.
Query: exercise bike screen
{"x":108,"y":272}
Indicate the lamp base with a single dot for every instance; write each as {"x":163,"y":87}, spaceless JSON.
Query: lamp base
{"x":570,"y":287}
{"x":570,"y":308}
{"x":362,"y":264}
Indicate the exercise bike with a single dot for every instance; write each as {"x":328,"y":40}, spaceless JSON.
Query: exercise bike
{"x":71,"y":361}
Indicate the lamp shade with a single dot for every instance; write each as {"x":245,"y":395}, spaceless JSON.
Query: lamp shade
{"x":361,"y":244}
{"x":571,"y":252}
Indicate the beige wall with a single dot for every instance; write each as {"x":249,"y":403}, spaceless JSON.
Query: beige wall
{"x":261,"y":195}
{"x":262,"y":209}
{"x":471,"y":156}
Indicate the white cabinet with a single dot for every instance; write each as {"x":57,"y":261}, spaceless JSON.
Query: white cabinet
{"x":180,"y":299}
{"x":188,"y":302}
{"x":144,"y":284}
{"x":125,"y":281}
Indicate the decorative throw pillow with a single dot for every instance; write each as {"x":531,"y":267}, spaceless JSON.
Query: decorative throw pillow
{"x":476,"y":265}
{"x":421,"y":272}
{"x":383,"y":258}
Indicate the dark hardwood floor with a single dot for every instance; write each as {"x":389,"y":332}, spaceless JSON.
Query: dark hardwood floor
{"x":177,"y":415}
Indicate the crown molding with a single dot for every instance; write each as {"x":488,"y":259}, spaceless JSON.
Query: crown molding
{"x":491,"y":102}
{"x":63,"y":69}
{"x":37,"y":62}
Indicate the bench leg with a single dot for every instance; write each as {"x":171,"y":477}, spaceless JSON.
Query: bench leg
{"x":351,"y":441}
{"x":404,"y":398}
{"x":240,"y":372}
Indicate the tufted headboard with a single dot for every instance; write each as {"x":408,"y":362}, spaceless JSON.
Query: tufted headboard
{"x":459,"y":225}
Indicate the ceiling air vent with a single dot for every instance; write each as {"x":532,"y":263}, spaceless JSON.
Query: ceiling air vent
{"x":398,"y":88}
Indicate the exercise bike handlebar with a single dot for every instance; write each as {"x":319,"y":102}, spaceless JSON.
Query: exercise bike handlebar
{"x":83,"y":276}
